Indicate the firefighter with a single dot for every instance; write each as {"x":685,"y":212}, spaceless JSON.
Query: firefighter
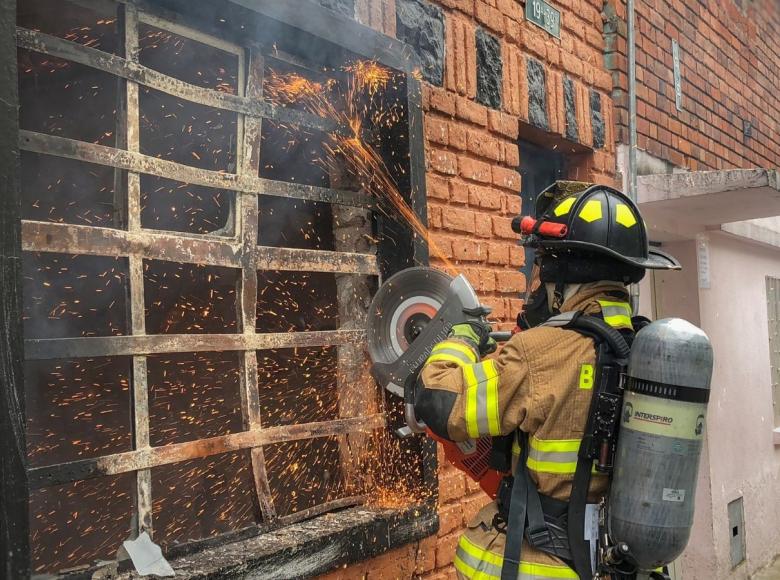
{"x":538,"y":388}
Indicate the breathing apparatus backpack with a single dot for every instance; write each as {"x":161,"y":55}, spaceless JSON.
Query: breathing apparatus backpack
{"x":645,"y":430}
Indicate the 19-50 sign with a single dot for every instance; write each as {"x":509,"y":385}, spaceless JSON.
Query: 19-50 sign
{"x":542,"y":14}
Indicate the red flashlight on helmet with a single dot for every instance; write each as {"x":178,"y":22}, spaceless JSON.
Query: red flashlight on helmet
{"x":526,"y":225}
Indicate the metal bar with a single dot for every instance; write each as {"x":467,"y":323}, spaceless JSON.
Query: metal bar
{"x":322,"y":508}
{"x":315,"y":261}
{"x":418,"y":196}
{"x":111,"y":157}
{"x":14,"y":491}
{"x":109,"y":63}
{"x":632,"y":137}
{"x":138,"y":459}
{"x":77,"y":239}
{"x":94,"y":346}
{"x":140,"y":387}
{"x":249,"y":164}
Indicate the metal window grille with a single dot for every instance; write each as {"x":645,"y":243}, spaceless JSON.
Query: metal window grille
{"x":141,"y":257}
{"x":773,"y":317}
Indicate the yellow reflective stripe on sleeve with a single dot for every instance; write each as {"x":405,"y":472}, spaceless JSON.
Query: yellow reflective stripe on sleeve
{"x":459,"y":346}
{"x":553,"y":455}
{"x":447,"y":357}
{"x":482,"y":415}
{"x":478,"y":563}
{"x":616,"y":314}
{"x":452,"y":351}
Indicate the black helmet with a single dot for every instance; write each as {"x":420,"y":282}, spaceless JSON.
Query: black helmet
{"x":599,"y":229}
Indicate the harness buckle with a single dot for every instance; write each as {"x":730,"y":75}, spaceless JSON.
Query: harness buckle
{"x":539,"y":536}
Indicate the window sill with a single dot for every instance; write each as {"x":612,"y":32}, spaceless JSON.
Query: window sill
{"x":312,"y":547}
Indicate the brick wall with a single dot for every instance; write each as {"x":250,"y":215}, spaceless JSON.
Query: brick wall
{"x":730,"y":68}
{"x":491,"y":77}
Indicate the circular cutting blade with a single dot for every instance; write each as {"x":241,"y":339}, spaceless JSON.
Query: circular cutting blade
{"x":400,"y":310}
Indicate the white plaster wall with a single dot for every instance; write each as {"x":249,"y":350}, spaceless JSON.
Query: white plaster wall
{"x":743,"y":460}
{"x":676,"y":294}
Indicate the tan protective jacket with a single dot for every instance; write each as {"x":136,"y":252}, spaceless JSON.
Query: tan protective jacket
{"x":540,"y":382}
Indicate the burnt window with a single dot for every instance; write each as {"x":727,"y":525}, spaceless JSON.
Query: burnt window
{"x":539,"y":167}
{"x":200,"y":247}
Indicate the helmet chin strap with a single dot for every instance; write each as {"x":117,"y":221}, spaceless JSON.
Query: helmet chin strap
{"x":558,"y":293}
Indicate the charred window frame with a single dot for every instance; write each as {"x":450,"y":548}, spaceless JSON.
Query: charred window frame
{"x":362,"y":532}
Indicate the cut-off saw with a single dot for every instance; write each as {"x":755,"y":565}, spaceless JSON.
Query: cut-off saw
{"x":411,"y":312}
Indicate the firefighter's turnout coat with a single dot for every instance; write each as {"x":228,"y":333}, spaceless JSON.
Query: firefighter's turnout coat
{"x":540,"y":382}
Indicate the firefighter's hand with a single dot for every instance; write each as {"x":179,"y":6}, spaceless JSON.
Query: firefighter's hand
{"x":477,"y":334}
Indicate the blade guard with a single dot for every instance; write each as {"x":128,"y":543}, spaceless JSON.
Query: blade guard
{"x":400,"y":376}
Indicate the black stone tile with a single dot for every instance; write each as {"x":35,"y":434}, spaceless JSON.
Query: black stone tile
{"x":489,"y":69}
{"x":421,"y":25}
{"x":537,"y":95}
{"x":570,"y":106}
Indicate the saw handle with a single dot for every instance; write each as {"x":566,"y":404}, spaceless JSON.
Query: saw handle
{"x":501,"y":335}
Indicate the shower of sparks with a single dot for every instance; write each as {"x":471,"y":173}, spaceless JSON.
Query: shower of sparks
{"x":80,"y":409}
{"x":350,"y":151}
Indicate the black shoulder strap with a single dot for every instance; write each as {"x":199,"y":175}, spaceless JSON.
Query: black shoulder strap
{"x":612,"y":351}
{"x":525,"y":510}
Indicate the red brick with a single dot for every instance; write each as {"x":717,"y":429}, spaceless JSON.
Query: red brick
{"x":486,"y":281}
{"x":467,"y":250}
{"x":437,"y":187}
{"x":506,"y":178}
{"x":474,"y":169}
{"x":483,"y":144}
{"x":503,"y":124}
{"x":511,"y":155}
{"x":512,"y":29}
{"x":502,"y":228}
{"x":443,"y":161}
{"x":516,"y":256}
{"x":497,"y":312}
{"x":451,"y":486}
{"x":603,"y":80}
{"x":471,"y":60}
{"x":571,"y":64}
{"x":484,"y":226}
{"x":459,"y":191}
{"x":436,"y":130}
{"x":457,"y":135}
{"x":434,"y":216}
{"x":489,"y":16}
{"x":466,"y":6}
{"x":498,"y":253}
{"x":484,"y":197}
{"x":513,"y":204}
{"x":442,"y":101}
{"x":471,"y":111}
{"x":534,"y":42}
{"x":458,"y":220}
{"x":426,"y":555}
{"x":450,"y":519}
{"x":445,"y":551}
{"x":510,"y":281}
{"x":510,"y":8}
{"x":440,"y":245}
{"x":472,"y":505}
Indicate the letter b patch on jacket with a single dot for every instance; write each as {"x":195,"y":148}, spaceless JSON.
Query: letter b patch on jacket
{"x":586,"y":376}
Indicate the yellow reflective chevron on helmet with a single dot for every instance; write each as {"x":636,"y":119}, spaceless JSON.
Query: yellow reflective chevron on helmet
{"x":564,"y":207}
{"x":624,"y":216}
{"x":591,"y":211}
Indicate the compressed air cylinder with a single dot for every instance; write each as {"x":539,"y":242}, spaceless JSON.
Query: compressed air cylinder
{"x":651,"y":499}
